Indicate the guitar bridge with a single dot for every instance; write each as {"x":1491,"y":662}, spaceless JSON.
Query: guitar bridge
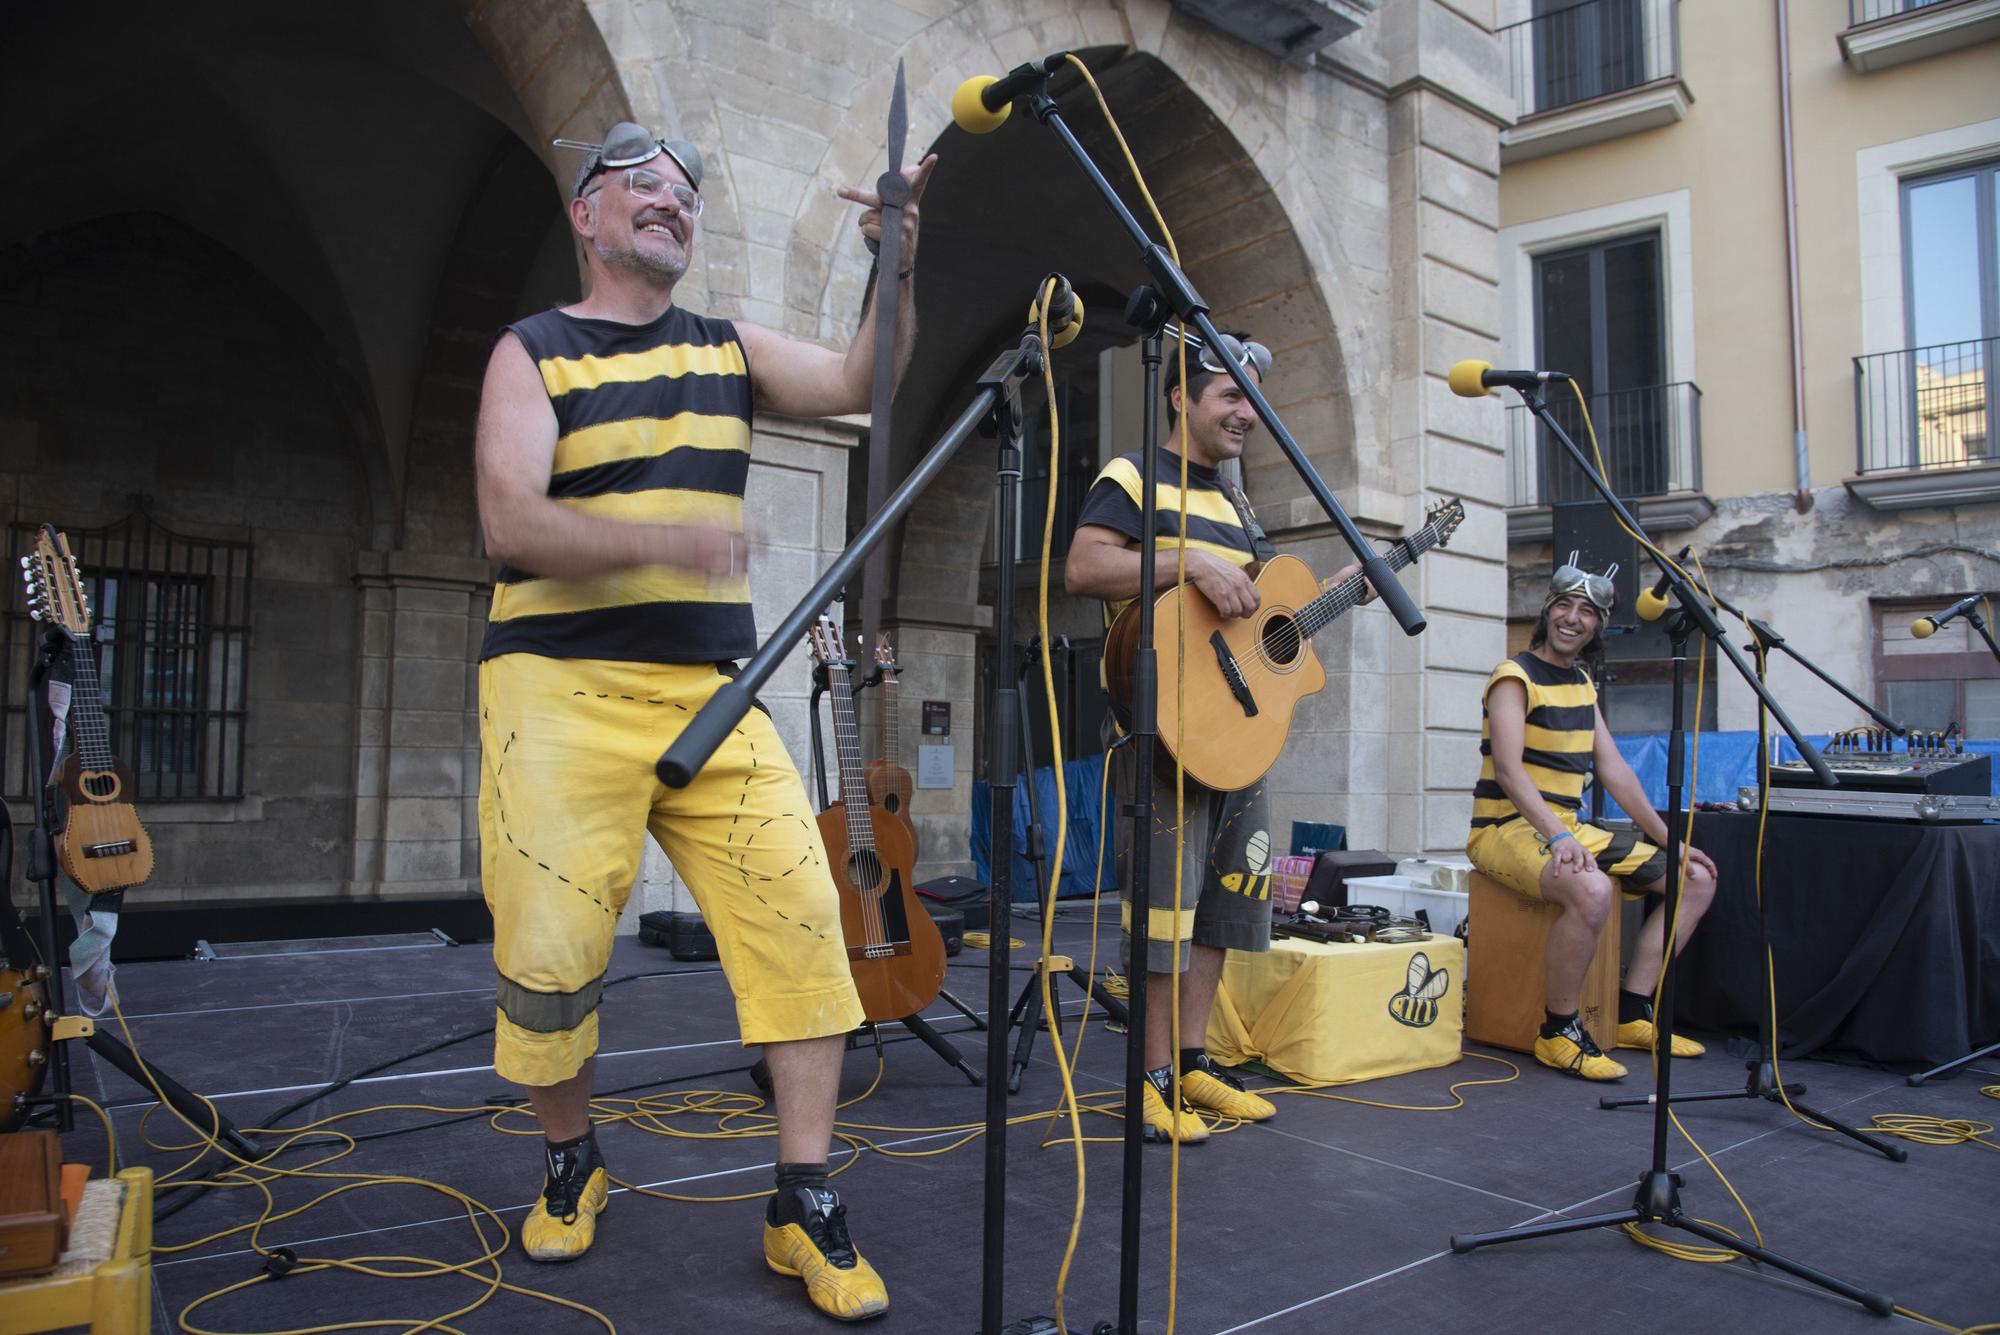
{"x":117,"y":848}
{"x":1232,"y":673}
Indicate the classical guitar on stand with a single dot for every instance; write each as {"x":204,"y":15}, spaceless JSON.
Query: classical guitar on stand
{"x":102,"y":844}
{"x":889,"y":784}
{"x":1245,"y":675}
{"x":893,"y":947}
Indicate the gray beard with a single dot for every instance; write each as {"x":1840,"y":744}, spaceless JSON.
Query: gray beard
{"x":632,"y":260}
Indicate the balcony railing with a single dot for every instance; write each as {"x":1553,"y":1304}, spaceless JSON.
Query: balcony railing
{"x":1925,"y":407}
{"x":1867,"y":11}
{"x":1651,"y":439}
{"x":1592,"y":49}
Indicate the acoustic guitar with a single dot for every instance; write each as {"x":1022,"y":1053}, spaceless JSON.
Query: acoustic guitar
{"x":24,"y":1039}
{"x":1245,"y":675}
{"x":102,"y":844}
{"x":894,"y":949}
{"x":889,"y":784}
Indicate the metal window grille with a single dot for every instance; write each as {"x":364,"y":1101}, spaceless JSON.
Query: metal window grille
{"x":171,"y":625}
{"x":1868,"y":11}
{"x":1925,"y":407}
{"x":1651,"y":439}
{"x":1574,"y":52}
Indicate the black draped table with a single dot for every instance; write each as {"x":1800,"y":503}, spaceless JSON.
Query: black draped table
{"x":1885,"y":936}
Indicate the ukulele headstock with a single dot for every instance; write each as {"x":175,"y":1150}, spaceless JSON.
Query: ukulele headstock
{"x":55,"y":587}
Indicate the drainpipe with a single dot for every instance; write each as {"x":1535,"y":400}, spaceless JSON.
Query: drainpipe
{"x":1802,"y":499}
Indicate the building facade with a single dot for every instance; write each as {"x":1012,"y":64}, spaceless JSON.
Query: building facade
{"x":1763,"y":237}
{"x":254,"y":258}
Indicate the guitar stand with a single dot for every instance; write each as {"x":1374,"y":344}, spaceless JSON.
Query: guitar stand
{"x":916,"y":1024}
{"x":41,"y":870}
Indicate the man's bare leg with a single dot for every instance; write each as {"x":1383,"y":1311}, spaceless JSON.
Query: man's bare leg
{"x":564,"y":1109}
{"x":805,"y":1080}
{"x":1585,"y":899}
{"x":1197,"y":997}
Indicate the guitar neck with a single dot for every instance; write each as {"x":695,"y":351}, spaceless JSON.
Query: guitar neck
{"x":892,"y":743}
{"x":87,"y":723}
{"x":847,"y":743}
{"x":1322,"y":611}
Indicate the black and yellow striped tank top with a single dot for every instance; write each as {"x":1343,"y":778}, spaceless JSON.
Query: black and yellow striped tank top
{"x":1214,"y":525}
{"x":652,"y":426}
{"x":1555,"y":748}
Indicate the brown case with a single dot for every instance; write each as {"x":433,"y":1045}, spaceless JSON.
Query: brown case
{"x":1504,"y":974}
{"x":34,"y":1226}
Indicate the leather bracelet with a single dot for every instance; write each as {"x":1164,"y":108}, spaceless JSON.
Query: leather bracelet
{"x":907,"y":272}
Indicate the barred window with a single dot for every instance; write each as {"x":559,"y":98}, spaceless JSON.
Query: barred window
{"x":171,"y":620}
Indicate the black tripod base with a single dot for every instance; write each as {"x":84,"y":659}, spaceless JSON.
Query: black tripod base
{"x":1763,"y":1084}
{"x":1658,"y":1202}
{"x":1028,"y":1012}
{"x":197,"y":1111}
{"x":1951,"y":1066}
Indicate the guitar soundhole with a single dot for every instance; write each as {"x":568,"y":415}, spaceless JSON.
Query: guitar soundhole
{"x":892,"y":804}
{"x":864,"y":870}
{"x":1281,"y":641}
{"x":100,"y":785}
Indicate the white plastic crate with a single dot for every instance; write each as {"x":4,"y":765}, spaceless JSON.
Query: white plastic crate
{"x":1446,"y":873}
{"x":1403,"y":896}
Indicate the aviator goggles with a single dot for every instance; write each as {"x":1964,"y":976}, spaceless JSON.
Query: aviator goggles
{"x":1570,"y":578}
{"x":629,"y":145}
{"x":1244,"y":354}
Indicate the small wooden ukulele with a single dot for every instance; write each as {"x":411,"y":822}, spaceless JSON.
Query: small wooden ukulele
{"x":102,"y":845}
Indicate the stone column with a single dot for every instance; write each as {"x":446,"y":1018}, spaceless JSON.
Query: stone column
{"x":417,"y":725}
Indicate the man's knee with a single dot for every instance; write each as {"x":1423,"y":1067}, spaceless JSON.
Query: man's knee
{"x":1697,"y":889}
{"x":1587,"y":895}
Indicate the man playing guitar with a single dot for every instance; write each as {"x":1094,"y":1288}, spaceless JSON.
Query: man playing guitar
{"x":1226,"y":844}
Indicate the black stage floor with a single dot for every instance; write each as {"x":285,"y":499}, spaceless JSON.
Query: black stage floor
{"x":1332,"y":1216}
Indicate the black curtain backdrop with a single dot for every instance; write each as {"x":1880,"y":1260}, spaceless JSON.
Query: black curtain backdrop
{"x":1885,"y":937}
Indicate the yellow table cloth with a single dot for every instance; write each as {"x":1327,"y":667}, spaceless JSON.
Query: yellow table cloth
{"x":1322,"y":1013}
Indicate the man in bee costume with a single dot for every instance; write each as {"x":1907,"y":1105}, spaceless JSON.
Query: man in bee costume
{"x":613,"y":449}
{"x":1542,"y":737}
{"x":1225,"y":874}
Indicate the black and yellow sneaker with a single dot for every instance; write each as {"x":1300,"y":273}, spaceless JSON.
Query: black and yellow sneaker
{"x":805,"y":1235}
{"x":1641,"y":1034}
{"x":1162,"y":1123}
{"x":563,"y":1223}
{"x":1215,"y":1088}
{"x":1573,"y":1051}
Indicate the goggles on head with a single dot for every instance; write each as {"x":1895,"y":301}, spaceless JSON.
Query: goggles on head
{"x":1570,"y":578}
{"x":628,"y":145}
{"x":1245,"y":354}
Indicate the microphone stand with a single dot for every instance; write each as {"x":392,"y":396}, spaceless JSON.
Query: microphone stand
{"x":1658,"y":1196}
{"x":1763,"y":1080}
{"x":996,"y":411}
{"x":1979,"y":624}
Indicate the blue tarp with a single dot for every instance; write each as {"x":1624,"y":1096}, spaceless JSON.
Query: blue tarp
{"x":1082,"y":779}
{"x":1728,"y":761}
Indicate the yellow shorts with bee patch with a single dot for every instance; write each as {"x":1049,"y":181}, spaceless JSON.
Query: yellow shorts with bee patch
{"x":1514,"y":855}
{"x":567,"y":795}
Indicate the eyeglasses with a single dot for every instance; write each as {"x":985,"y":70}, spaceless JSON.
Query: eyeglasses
{"x":654,"y":188}
{"x":1245,"y":355}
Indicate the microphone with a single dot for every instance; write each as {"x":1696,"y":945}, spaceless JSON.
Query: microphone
{"x":1473,"y":380}
{"x":1925,"y":627}
{"x":1065,"y":311}
{"x":1652,"y":604}
{"x":982,"y":103}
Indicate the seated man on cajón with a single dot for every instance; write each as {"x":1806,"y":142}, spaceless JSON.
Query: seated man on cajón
{"x":1542,"y":736}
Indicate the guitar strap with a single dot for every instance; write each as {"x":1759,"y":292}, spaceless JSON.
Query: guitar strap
{"x":1260,"y":545}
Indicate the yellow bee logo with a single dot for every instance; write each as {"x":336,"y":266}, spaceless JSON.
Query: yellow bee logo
{"x":1256,"y":882}
{"x":1417,"y":1004}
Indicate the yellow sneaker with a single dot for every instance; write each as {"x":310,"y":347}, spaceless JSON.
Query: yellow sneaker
{"x":1642,"y":1035}
{"x":818,"y":1250}
{"x":563,"y":1223}
{"x":1575,"y":1052}
{"x":1219,"y":1091}
{"x":1162,"y":1124}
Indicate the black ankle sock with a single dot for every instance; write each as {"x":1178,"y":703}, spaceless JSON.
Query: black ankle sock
{"x":1555,"y":1023}
{"x":1191,"y":1059}
{"x":785,"y":1206}
{"x":565,"y":1157}
{"x":1634,"y":1006}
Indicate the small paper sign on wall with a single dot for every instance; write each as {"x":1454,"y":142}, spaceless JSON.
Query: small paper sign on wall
{"x":934,"y":766}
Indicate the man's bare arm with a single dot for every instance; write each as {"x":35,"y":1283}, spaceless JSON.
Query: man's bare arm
{"x":514,"y":453}
{"x":1099,"y":565}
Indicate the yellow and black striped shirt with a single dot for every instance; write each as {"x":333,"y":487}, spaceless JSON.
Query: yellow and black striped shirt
{"x":1214,"y":524}
{"x":652,"y":426}
{"x":1555,"y":746}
